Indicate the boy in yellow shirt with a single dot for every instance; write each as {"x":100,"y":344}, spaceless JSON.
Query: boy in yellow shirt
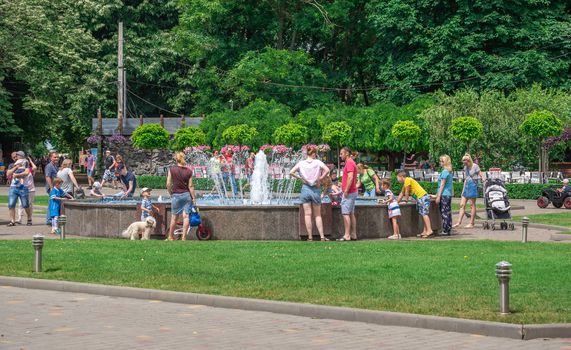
{"x":411,"y":187}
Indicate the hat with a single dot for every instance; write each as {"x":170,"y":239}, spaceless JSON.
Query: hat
{"x":96,"y":184}
{"x":21,"y":154}
{"x":565,"y":181}
{"x":145,"y":189}
{"x":23,"y":162}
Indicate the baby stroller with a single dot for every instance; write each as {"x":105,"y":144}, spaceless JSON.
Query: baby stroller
{"x":203,"y":233}
{"x":497,"y":205}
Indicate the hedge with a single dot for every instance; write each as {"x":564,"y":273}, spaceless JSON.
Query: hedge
{"x":515,"y":191}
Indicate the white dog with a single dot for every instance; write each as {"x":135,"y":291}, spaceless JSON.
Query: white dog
{"x":145,"y":228}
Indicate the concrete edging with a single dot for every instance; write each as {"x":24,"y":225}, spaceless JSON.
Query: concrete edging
{"x":494,"y":329}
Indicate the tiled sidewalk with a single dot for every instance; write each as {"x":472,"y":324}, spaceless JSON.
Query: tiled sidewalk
{"x":37,"y":319}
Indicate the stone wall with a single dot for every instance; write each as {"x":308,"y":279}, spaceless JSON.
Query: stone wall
{"x":142,"y":162}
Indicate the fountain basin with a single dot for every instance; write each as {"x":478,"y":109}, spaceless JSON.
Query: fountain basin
{"x":245,"y":222}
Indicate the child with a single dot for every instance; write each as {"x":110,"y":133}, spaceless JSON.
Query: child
{"x":393,"y":207}
{"x":57,"y":195}
{"x":410,"y":186}
{"x":146,"y":204}
{"x":332,"y":190}
{"x":96,"y":190}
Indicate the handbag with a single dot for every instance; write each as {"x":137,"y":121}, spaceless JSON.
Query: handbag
{"x":194,"y":216}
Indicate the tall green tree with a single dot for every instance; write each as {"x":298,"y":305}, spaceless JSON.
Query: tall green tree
{"x":407,"y":132}
{"x":337,"y":133}
{"x":541,"y":125}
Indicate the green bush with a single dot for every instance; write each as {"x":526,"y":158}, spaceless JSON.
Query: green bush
{"x":150,"y":136}
{"x":187,"y":137}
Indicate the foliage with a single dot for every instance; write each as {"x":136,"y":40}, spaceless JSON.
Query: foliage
{"x":565,"y":136}
{"x":265,"y":116}
{"x":406,"y":132}
{"x":502,"y":143}
{"x":270,"y":73}
{"x":94,"y":139}
{"x":338,"y":133}
{"x":187,"y":137}
{"x":150,"y":136}
{"x":541,"y":124}
{"x":241,"y":134}
{"x":290,"y":134}
{"x":116,"y":139}
{"x":465,"y":129}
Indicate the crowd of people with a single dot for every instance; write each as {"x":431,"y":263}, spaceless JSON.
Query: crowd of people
{"x":318,"y":181}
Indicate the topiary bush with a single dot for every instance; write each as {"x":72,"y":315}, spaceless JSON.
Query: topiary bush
{"x":150,"y":136}
{"x":466,"y":129}
{"x":187,"y":137}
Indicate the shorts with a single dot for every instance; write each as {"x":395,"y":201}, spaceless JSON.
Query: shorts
{"x":180,"y":202}
{"x":108,"y":175}
{"x":310,"y":194}
{"x":394,"y":211}
{"x":348,"y":203}
{"x":423,"y":205}
{"x":18,"y":192}
{"x":90,"y":172}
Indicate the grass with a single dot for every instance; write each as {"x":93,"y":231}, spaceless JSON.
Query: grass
{"x":447,"y":278}
{"x":456,"y":206}
{"x":38,"y":200}
{"x":557,"y":219}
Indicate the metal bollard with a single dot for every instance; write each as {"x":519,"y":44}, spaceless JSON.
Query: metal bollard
{"x":61,"y":220}
{"x":524,"y":225}
{"x":503,"y":273}
{"x":38,"y":243}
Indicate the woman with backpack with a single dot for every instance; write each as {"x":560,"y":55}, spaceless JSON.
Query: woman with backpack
{"x":369,"y":179}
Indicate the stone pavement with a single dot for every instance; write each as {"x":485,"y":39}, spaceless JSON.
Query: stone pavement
{"x":38,"y":319}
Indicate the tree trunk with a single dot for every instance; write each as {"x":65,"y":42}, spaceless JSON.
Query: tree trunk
{"x":338,"y":161}
{"x":403,"y":158}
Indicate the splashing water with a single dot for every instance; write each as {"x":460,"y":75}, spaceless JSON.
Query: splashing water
{"x":260,"y":191}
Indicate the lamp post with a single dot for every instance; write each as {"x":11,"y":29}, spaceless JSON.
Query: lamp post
{"x":38,"y":244}
{"x":524,"y":225}
{"x":503,"y":273}
{"x":61,"y":221}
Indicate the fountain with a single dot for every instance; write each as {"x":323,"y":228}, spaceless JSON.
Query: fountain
{"x":264,"y":208}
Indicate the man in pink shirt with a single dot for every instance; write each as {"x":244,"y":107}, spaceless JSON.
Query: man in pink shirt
{"x":349,"y":188}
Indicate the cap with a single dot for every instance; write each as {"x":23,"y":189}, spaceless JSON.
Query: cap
{"x":145,"y":189}
{"x":96,"y":184}
{"x":21,"y":154}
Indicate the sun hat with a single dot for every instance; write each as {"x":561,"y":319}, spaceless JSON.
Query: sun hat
{"x":145,"y":189}
{"x":97,"y":184}
{"x":21,"y":154}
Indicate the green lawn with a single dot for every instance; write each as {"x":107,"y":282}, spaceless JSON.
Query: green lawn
{"x":38,"y":200}
{"x":558,"y":219}
{"x":437,"y":277}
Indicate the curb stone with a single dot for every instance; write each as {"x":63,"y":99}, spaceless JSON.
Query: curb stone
{"x":385,"y":318}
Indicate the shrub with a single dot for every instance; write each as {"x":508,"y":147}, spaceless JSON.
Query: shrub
{"x":187,"y":137}
{"x":466,"y":129}
{"x":240,"y":134}
{"x":150,"y":136}
{"x":291,"y":134}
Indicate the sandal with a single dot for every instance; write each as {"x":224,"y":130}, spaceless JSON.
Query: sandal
{"x":394,"y":237}
{"x":29,"y":223}
{"x":455,"y":225}
{"x":469,"y":226}
{"x":309,"y":238}
{"x":12,"y":223}
{"x":324,"y":239}
{"x":430,"y":235}
{"x":343,"y":239}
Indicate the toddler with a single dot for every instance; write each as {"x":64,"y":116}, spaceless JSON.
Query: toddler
{"x":146,"y":204}
{"x":332,"y":190}
{"x":393,"y":207}
{"x":57,"y":195}
{"x":96,"y":190}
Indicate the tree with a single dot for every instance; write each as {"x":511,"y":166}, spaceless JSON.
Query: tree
{"x":466,"y":129}
{"x":541,"y":125}
{"x":407,"y":132}
{"x":337,"y":133}
{"x":239,"y":134}
{"x":291,"y":134}
{"x":188,"y":137}
{"x":150,"y":136}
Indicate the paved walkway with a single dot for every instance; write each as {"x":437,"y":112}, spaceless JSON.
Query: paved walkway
{"x":36,"y":319}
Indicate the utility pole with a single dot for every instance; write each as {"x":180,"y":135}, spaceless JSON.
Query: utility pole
{"x":120,"y":81}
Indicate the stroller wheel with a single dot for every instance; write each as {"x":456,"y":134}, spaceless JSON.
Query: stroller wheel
{"x":493,"y":227}
{"x":203,"y":233}
{"x":512,"y":227}
{"x":484,"y":225}
{"x":503,"y":226}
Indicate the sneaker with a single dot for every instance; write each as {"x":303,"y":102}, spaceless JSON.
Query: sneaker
{"x":394,"y":237}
